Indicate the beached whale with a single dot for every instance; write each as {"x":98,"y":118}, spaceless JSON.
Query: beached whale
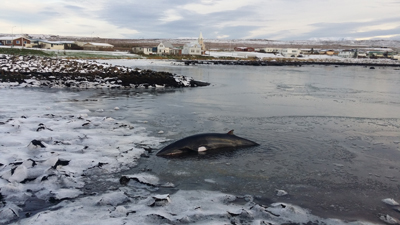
{"x":205,"y":142}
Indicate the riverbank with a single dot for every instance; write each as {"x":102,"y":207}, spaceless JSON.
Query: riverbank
{"x":34,"y":71}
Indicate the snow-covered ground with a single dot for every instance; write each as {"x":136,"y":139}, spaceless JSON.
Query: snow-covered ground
{"x":50,"y":150}
{"x":316,"y":58}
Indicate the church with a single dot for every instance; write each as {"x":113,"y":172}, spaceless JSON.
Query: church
{"x":195,"y":48}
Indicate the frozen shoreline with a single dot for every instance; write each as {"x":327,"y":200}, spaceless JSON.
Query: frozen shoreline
{"x":80,"y":149}
{"x":31,"y":71}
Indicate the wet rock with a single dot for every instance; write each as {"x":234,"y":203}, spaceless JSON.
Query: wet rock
{"x":61,"y":162}
{"x":388,"y":219}
{"x":390,"y":201}
{"x":143,"y":178}
{"x":280,"y":193}
{"x":37,"y":143}
{"x":160,"y":200}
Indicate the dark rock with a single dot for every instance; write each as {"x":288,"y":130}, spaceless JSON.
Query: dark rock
{"x":37,"y":143}
{"x":61,"y":163}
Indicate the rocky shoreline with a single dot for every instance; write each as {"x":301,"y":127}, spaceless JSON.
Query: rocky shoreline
{"x":33,"y":71}
{"x":284,"y":63}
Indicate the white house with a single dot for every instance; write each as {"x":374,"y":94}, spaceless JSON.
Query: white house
{"x":361,"y":54}
{"x":193,"y":48}
{"x":56,"y":45}
{"x":164,"y":48}
{"x":347,"y":54}
{"x":271,"y":50}
{"x":397,"y":57}
{"x":144,"y":50}
{"x":290,"y":52}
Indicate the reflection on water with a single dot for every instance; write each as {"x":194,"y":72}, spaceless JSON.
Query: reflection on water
{"x":328,"y":135}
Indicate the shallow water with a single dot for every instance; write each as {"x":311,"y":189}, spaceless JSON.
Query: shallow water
{"x":329,"y":136}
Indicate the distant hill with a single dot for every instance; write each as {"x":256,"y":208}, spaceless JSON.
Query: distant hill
{"x":226,"y":44}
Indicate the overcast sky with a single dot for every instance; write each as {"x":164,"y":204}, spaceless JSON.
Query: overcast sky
{"x":227,"y":19}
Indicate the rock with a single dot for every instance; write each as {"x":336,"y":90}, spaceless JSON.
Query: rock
{"x":280,"y":193}
{"x":388,"y":219}
{"x":143,"y":178}
{"x":39,"y":72}
{"x":37,"y":143}
{"x":160,"y":200}
{"x":390,"y":201}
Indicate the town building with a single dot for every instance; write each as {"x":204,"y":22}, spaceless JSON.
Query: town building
{"x":348,"y":53}
{"x":15,"y":41}
{"x":291,"y":52}
{"x":148,"y":50}
{"x":193,"y":48}
{"x":164,"y":48}
{"x":54,"y":45}
{"x":270,"y":50}
{"x":201,"y":42}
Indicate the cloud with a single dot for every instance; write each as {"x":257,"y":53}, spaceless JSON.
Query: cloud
{"x":171,"y":15}
{"x":270,"y":19}
{"x":216,"y":6}
{"x":222,"y":36}
{"x":358,"y":30}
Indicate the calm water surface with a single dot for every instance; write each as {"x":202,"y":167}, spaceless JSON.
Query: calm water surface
{"x":328,"y":135}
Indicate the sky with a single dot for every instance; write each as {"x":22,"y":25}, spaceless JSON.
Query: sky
{"x":217,"y":19}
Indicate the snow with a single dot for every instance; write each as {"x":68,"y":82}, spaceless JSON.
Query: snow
{"x":315,"y":58}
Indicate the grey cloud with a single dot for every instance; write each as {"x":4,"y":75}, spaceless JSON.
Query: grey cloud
{"x":73,"y":7}
{"x":349,"y":29}
{"x":147,"y":19}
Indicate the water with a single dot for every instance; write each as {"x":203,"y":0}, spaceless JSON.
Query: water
{"x":329,"y":136}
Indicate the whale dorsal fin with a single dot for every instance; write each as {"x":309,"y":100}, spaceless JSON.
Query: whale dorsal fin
{"x":230,"y":132}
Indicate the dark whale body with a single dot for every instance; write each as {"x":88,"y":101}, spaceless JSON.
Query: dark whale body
{"x":205,"y":142}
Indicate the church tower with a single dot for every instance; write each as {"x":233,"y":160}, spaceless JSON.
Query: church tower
{"x":201,"y":42}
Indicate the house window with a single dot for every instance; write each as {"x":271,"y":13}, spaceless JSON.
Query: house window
{"x":8,"y":42}
{"x":51,"y":45}
{"x":18,"y":42}
{"x":24,"y":42}
{"x":192,"y":50}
